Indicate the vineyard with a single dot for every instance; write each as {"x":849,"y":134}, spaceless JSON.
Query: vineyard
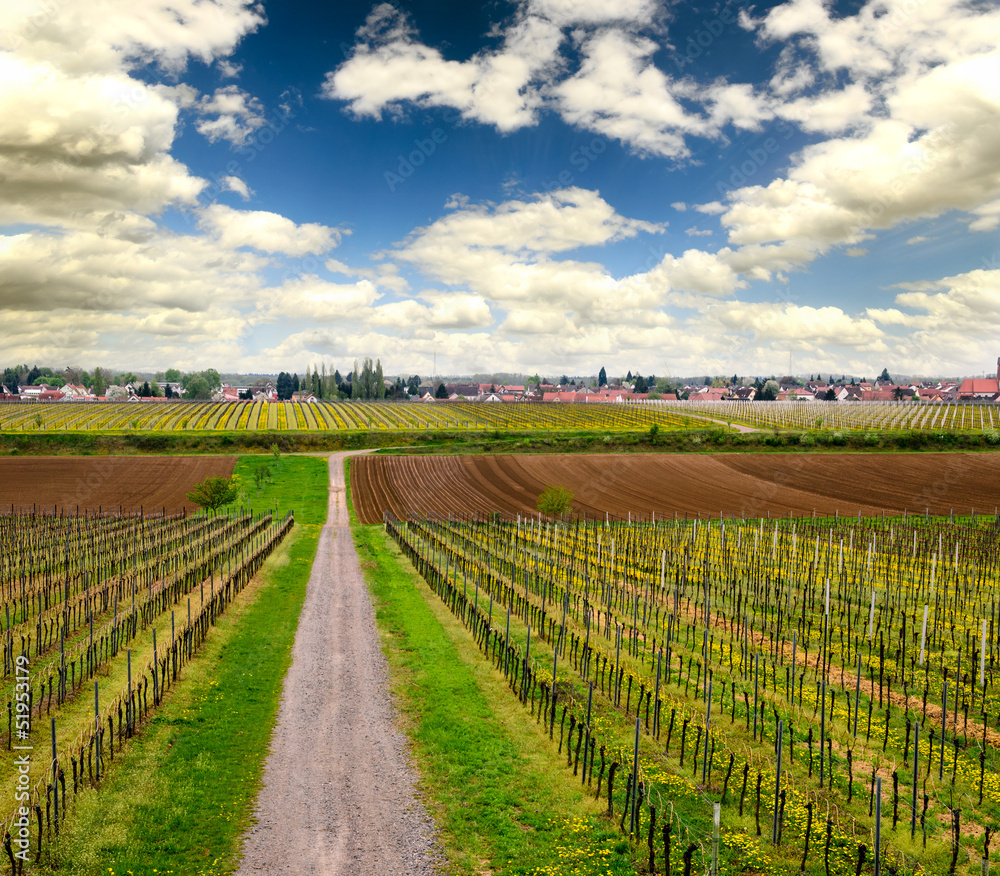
{"x":101,"y":613}
{"x":828,"y":422}
{"x":750,"y":695}
{"x":846,"y":416}
{"x":126,"y":417}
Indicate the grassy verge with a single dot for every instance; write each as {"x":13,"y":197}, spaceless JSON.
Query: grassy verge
{"x":298,"y":483}
{"x":708,"y":440}
{"x":502,"y":797}
{"x":180,"y":798}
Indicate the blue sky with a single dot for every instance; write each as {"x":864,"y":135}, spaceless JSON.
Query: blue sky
{"x":539,"y":186}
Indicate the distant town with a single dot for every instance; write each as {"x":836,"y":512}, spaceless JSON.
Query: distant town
{"x":367,"y":382}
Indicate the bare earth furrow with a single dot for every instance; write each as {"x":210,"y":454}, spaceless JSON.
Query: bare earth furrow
{"x":751,"y":484}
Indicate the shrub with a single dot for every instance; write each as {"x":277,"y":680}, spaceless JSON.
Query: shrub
{"x":555,"y":501}
{"x":213,"y":493}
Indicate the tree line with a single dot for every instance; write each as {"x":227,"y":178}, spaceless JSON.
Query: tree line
{"x":364,"y":381}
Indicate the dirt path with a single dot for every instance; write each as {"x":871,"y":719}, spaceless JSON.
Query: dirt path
{"x":735,"y":427}
{"x":338,"y":795}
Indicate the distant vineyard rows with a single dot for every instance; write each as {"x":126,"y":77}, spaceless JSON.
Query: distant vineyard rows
{"x":824,"y":417}
{"x":846,"y":416}
{"x":333,"y":416}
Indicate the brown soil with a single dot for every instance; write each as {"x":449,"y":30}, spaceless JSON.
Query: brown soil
{"x":107,"y":482}
{"x":749,"y":484}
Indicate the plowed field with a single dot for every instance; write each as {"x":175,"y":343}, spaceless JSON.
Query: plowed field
{"x":749,"y":485}
{"x":108,"y":482}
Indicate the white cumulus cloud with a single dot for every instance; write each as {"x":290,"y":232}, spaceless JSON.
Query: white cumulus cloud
{"x":267,"y":232}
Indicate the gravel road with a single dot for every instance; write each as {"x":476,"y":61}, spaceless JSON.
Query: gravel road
{"x":338,"y":796}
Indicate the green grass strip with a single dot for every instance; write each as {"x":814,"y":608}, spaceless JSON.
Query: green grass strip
{"x":182,"y":795}
{"x":297,"y":483}
{"x":503,"y":799}
{"x":691,"y":440}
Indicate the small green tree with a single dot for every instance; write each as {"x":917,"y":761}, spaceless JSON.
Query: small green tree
{"x":276,"y":453}
{"x":198,"y":387}
{"x":555,"y":501}
{"x":260,"y":474}
{"x":213,"y":493}
{"x":770,"y":391}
